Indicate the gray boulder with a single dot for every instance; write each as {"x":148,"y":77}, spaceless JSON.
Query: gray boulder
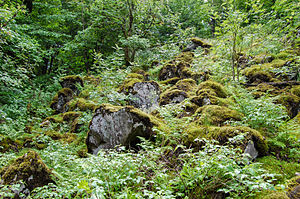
{"x":145,"y":96}
{"x":115,"y":125}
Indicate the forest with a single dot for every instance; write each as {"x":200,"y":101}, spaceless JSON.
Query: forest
{"x":183,"y":99}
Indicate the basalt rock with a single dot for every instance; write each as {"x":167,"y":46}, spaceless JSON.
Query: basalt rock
{"x":145,"y":96}
{"x":115,"y":125}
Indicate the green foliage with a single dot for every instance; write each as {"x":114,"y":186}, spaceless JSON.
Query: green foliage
{"x":261,"y":113}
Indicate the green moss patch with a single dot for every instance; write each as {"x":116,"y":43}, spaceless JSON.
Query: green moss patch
{"x":216,"y":115}
{"x":286,"y":170}
{"x":215,"y":87}
{"x":81,"y":104}
{"x":222,"y":134}
{"x":30,"y":169}
{"x":291,"y":102}
{"x":173,"y":96}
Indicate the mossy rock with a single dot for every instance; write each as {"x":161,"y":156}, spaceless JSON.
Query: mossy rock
{"x":135,"y":76}
{"x":81,"y":104}
{"x":258,"y":73}
{"x":278,"y":63}
{"x":71,"y":82}
{"x":143,"y":73}
{"x":284,"y":55}
{"x":186,"y":57}
{"x":173,"y":97}
{"x":295,"y":90}
{"x":128,"y":84}
{"x":276,"y":195}
{"x":115,"y":125}
{"x":286,"y":170}
{"x":186,"y":85}
{"x":91,"y":80}
{"x":169,"y":71}
{"x":55,"y":118}
{"x":171,"y":81}
{"x":217,"y":88}
{"x":291,"y":102}
{"x":54,"y":135}
{"x":263,"y":89}
{"x":30,"y":169}
{"x":144,"y":95}
{"x":294,"y":188}
{"x":263,"y":58}
{"x":222,"y":135}
{"x":71,"y":115}
{"x":59,"y":101}
{"x":216,"y":115}
{"x":7,"y":144}
{"x":200,"y":42}
{"x":205,"y":97}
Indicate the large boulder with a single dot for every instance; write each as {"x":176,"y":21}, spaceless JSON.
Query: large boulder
{"x":116,"y":125}
{"x":29,"y":169}
{"x":145,"y":96}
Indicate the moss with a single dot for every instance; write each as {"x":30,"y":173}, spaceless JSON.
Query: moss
{"x":217,"y":88}
{"x":172,"y":81}
{"x":296,"y":90}
{"x":69,"y":137}
{"x":172,"y":96}
{"x":82,"y":152}
{"x":216,"y":115}
{"x":186,"y":57}
{"x":263,"y":89}
{"x":168,"y":71}
{"x":185,"y":85}
{"x":222,"y":134}
{"x":205,"y":97}
{"x":286,"y":170}
{"x":54,"y":135}
{"x":7,"y":144}
{"x":200,"y":42}
{"x":66,"y":92}
{"x":291,"y":102}
{"x":283,"y":55}
{"x":128,"y":83}
{"x":28,"y":168}
{"x":294,"y":188}
{"x":135,"y":76}
{"x":278,"y":63}
{"x":72,"y":115}
{"x":55,"y":118}
{"x":263,"y":58}
{"x":81,"y":104}
{"x":276,"y":195}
